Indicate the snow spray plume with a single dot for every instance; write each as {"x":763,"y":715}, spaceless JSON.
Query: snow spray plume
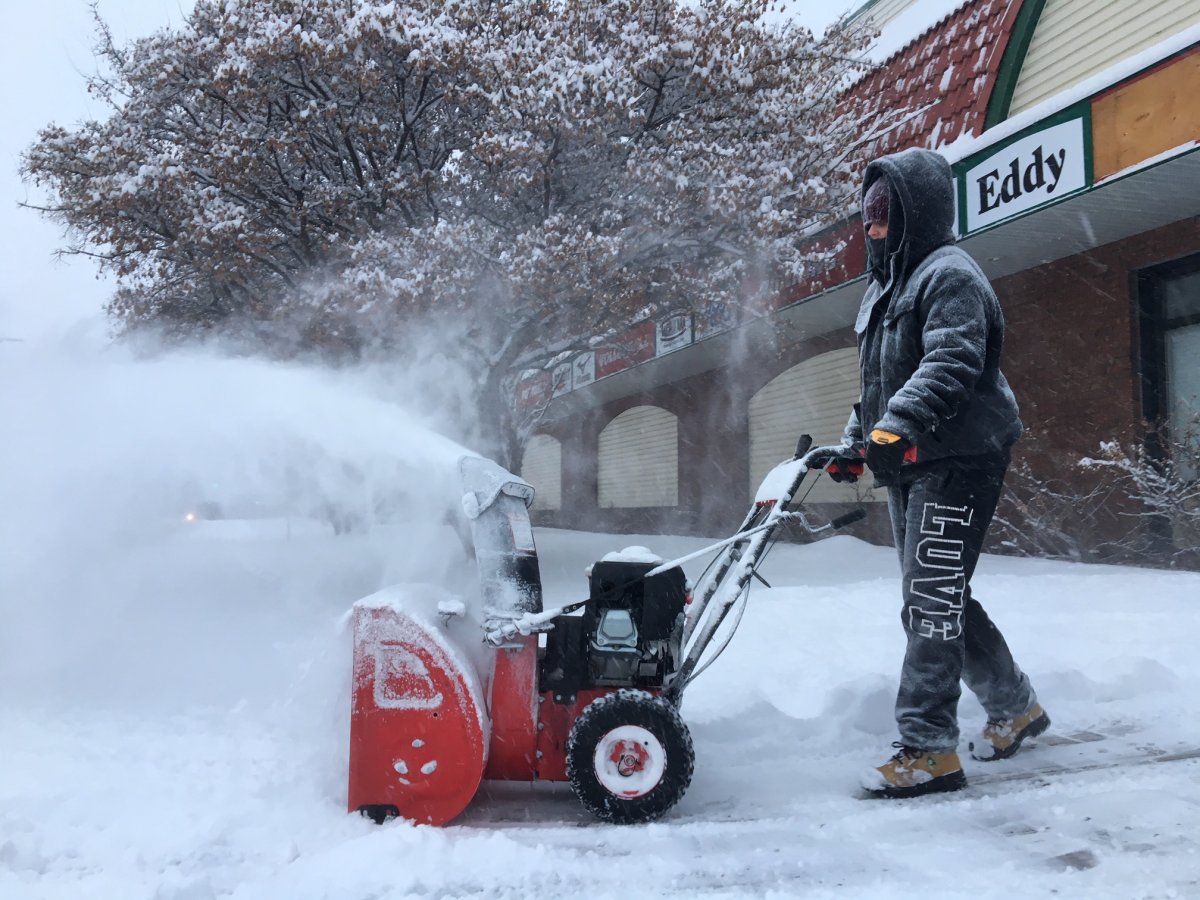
{"x":110,"y":593}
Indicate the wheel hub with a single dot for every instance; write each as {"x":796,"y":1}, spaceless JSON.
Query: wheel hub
{"x":629,"y":757}
{"x":629,"y":761}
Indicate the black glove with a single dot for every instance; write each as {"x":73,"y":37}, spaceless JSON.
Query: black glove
{"x":886,"y":452}
{"x":841,"y":462}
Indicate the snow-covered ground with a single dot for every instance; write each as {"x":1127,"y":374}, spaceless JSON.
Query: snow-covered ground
{"x":175,"y":697}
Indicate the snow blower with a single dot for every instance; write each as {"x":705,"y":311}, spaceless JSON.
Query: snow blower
{"x":446,"y":695}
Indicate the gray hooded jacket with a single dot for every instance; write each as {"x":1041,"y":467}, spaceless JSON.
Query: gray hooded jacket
{"x":930,"y":330}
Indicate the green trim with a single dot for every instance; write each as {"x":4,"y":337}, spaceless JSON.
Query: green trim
{"x":1013,"y":61}
{"x":959,"y":171}
{"x":1079,"y":110}
{"x":1089,"y":158}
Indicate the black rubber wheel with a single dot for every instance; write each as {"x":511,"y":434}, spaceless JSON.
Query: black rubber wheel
{"x":629,"y":757}
{"x":379,"y":812}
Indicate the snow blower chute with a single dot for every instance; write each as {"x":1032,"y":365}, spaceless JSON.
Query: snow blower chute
{"x":447,"y":694}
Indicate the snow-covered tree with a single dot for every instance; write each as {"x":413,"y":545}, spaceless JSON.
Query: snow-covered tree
{"x":1136,"y":501}
{"x":1162,"y":474}
{"x":507,"y":178}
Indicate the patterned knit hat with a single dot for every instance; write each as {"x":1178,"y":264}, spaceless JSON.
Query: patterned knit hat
{"x":876,"y":202}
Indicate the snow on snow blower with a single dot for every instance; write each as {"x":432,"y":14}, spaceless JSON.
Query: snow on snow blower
{"x":447,"y":694}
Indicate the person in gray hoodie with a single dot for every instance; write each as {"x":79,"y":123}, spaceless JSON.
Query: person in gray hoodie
{"x":936,"y":423}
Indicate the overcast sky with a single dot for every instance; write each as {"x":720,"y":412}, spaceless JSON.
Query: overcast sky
{"x":47,"y":51}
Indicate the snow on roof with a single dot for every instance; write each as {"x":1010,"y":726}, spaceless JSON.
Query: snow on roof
{"x":905,"y":28}
{"x":944,"y":76}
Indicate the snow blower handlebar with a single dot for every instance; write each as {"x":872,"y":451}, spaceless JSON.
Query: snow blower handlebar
{"x":736,"y":566}
{"x":530,"y":622}
{"x":855,"y":515}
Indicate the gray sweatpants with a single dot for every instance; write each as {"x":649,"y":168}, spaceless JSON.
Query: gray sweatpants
{"x":939,"y":522}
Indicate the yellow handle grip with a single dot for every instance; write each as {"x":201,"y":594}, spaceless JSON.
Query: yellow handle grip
{"x":879,"y":436}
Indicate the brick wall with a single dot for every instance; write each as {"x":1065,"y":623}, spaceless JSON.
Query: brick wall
{"x":1073,"y":358}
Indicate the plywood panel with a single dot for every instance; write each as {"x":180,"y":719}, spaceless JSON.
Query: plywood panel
{"x":1154,"y":114}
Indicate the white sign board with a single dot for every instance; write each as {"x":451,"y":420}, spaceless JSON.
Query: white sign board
{"x":560,"y":379}
{"x":1034,"y":170}
{"x":673,"y":332}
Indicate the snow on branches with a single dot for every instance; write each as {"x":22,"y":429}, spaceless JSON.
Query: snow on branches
{"x":1137,"y":501}
{"x":524,"y":171}
{"x":1162,"y":473}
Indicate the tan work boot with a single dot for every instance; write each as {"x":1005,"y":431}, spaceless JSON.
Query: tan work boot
{"x":913,"y":772}
{"x":1001,"y":739}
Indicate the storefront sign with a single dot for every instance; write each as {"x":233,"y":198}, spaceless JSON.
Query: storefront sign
{"x":633,"y":347}
{"x":533,"y":390}
{"x":712,"y":317}
{"x":1026,"y":174}
{"x":673,"y":332}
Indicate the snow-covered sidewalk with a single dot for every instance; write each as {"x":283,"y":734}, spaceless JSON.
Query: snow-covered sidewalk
{"x":175,"y":719}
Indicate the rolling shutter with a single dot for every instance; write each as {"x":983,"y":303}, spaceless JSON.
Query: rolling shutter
{"x":1078,"y":38}
{"x":541,"y":466}
{"x":814,"y":397}
{"x":639,"y":459}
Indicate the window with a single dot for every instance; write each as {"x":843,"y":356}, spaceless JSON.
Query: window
{"x":1170,"y":297}
{"x":814,"y":398}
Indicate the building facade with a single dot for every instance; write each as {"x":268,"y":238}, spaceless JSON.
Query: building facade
{"x":1073,"y":131}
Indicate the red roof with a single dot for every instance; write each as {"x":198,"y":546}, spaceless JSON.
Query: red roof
{"x":944,"y":77}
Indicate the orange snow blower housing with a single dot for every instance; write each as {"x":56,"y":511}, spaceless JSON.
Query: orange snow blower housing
{"x":446,"y":696}
{"x":448,"y":693}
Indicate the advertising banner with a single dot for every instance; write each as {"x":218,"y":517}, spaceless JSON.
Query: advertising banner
{"x":560,"y":379}
{"x":633,"y":347}
{"x":533,"y":390}
{"x":583,"y":370}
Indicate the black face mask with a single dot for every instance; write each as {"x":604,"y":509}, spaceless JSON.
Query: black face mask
{"x":877,"y":259}
{"x":881,"y":250}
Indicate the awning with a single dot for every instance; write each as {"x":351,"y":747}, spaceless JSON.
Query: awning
{"x":1120,"y":207}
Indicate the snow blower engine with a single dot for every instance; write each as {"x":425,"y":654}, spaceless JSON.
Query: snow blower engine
{"x":629,"y":634}
{"x":448,"y":693}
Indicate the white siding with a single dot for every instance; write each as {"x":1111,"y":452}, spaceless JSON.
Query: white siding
{"x":639,"y":459}
{"x":541,"y":466}
{"x":813,"y":398}
{"x":1075,"y":39}
{"x":884,"y":11}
